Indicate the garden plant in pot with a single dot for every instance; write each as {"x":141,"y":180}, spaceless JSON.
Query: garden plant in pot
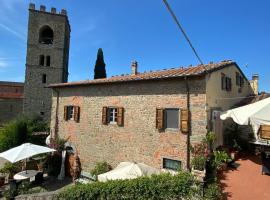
{"x":198,"y":167}
{"x":219,"y":160}
{"x":234,"y":152}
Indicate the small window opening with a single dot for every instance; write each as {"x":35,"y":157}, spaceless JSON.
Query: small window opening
{"x":48,"y":61}
{"x":112,"y":115}
{"x":44,"y":78}
{"x":46,"y":35}
{"x":41,"y":113}
{"x":41,"y":60}
{"x":70,"y":112}
{"x":171,"y":164}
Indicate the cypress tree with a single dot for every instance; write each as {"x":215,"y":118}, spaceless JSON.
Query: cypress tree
{"x":100,"y":71}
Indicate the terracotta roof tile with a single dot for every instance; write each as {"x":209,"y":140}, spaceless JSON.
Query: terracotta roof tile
{"x":154,"y":75}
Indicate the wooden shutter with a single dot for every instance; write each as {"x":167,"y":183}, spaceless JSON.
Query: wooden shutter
{"x":120,"y":116}
{"x":76,"y":114}
{"x":265,"y":132}
{"x":65,"y":113}
{"x":160,"y":118}
{"x":104,"y":116}
{"x":184,"y":120}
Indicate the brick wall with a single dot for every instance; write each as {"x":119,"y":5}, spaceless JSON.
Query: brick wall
{"x":138,"y":140}
{"x":11,"y":101}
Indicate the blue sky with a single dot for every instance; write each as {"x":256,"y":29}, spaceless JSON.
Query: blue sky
{"x":143,"y":30}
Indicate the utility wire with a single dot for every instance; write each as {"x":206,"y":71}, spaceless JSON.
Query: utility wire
{"x":182,"y":30}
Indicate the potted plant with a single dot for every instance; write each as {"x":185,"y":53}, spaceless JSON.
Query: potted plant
{"x":198,"y":167}
{"x":220,"y":160}
{"x":234,"y":153}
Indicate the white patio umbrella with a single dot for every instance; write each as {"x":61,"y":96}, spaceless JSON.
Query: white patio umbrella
{"x":255,"y":114}
{"x":24,"y":151}
{"x":128,"y":170}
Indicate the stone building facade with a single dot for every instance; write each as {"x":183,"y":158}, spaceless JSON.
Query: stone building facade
{"x":11,"y":100}
{"x":84,"y":113}
{"x":47,"y":58}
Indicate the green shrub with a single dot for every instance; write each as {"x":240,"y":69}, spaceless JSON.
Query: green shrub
{"x":100,"y":168}
{"x":13,"y":134}
{"x":219,"y":158}
{"x":213,"y":192}
{"x":198,"y":162}
{"x":163,"y":186}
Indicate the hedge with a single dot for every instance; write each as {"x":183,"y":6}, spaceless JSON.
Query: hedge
{"x":163,"y":186}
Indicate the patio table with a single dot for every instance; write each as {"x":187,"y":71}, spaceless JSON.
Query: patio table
{"x":25,"y":175}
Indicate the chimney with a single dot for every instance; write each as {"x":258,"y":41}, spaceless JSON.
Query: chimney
{"x":254,"y":83}
{"x":31,"y":6}
{"x":42,"y":8}
{"x":134,"y":68}
{"x":53,"y":10}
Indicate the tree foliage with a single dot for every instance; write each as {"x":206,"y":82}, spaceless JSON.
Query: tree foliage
{"x":100,"y":70}
{"x":20,"y":131}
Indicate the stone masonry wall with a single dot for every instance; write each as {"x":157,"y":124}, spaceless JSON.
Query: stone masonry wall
{"x":138,"y":140}
{"x":37,"y":95}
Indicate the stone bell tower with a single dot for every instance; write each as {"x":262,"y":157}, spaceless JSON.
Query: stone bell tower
{"x":46,"y":59}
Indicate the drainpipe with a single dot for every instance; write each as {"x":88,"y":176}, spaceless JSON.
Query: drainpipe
{"x":189,"y":123}
{"x":55,"y":135}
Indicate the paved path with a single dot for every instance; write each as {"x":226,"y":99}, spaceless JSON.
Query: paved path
{"x":246,"y":182}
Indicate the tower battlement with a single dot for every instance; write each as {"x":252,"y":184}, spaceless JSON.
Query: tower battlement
{"x":42,"y":8}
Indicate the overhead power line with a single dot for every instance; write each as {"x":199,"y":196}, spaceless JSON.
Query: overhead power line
{"x":183,"y":31}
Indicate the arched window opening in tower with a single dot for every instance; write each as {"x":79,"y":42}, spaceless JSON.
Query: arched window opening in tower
{"x":48,"y":61}
{"x":46,"y":35}
{"x":41,"y":60}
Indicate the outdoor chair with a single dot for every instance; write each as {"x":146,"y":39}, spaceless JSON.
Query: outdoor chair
{"x":265,"y":164}
{"x":39,"y":178}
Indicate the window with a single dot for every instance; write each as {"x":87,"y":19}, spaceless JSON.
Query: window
{"x":46,"y":35}
{"x":48,"y":61}
{"x":172,"y":118}
{"x":72,"y":113}
{"x":169,"y":118}
{"x":171,"y":164}
{"x":223,"y":82}
{"x":44,"y":78}
{"x":112,"y":115}
{"x":226,"y":83}
{"x":41,"y":60}
{"x":239,"y":79}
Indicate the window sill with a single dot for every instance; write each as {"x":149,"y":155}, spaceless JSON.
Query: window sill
{"x":175,"y":130}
